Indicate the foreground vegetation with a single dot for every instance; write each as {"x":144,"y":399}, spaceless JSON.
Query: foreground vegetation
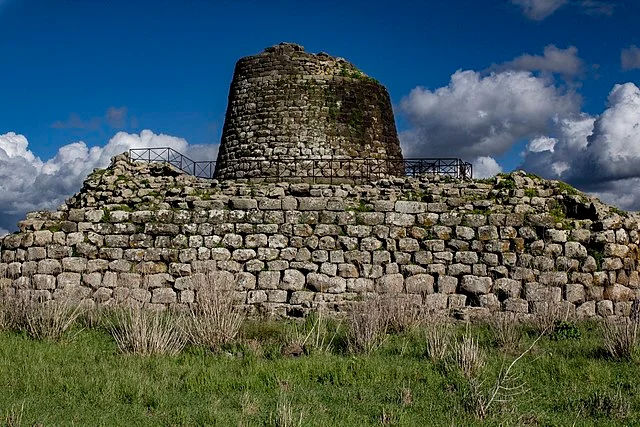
{"x":376,"y":367}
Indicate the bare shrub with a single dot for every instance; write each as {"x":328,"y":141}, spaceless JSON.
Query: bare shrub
{"x":507,"y":386}
{"x":620,"y":337}
{"x":506,"y":331}
{"x":403,"y":315}
{"x":367,"y":326}
{"x":547,"y":316}
{"x":44,"y":320}
{"x":214,"y":321}
{"x":439,"y":336}
{"x":467,"y":355}
{"x":146,"y":332}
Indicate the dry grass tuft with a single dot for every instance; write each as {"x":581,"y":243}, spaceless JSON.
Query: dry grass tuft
{"x":214,"y":321}
{"x":44,"y":320}
{"x":146,"y":332}
{"x":367,"y":326}
{"x":403,"y":315}
{"x":439,"y":336}
{"x":468,"y":356}
{"x":285,"y":416}
{"x":620,"y":337}
{"x":506,"y":331}
{"x":547,"y":316}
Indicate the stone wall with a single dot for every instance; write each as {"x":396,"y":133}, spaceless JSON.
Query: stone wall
{"x":146,"y":234}
{"x":289,"y":109}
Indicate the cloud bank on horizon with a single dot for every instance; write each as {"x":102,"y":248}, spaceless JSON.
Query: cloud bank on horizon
{"x":28,"y":183}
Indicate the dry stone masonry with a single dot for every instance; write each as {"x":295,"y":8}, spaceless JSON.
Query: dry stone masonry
{"x":146,"y":234}
{"x":292,"y":113}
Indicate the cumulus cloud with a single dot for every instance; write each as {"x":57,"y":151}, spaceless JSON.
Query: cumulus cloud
{"x":28,"y":183}
{"x":630,"y":58}
{"x":598,"y":154}
{"x":553,"y":60}
{"x":479,"y":115}
{"x":3,"y":232}
{"x":539,"y":9}
{"x":485,"y":166}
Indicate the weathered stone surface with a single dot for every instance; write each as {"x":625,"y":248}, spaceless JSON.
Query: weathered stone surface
{"x":419,"y":284}
{"x":390,"y":283}
{"x":475,"y":285}
{"x":292,"y":280}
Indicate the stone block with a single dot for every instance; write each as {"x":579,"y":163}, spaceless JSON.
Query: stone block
{"x":410,"y":207}
{"x":476,"y":285}
{"x":390,"y":283}
{"x":162,"y":296}
{"x":456,"y":301}
{"x":574,"y":293}
{"x":419,"y":284}
{"x":604,"y":308}
{"x":256,"y":297}
{"x":436,"y":302}
{"x":516,"y":305}
{"x":292,"y":280}
{"x":44,"y":281}
{"x":586,"y":310}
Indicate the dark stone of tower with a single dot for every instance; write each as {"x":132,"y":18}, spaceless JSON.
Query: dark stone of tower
{"x":291,"y":113}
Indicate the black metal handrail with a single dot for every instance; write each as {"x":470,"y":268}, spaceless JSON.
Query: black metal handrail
{"x":330,"y":168}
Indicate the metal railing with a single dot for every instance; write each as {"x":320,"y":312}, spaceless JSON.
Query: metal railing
{"x":317,"y":169}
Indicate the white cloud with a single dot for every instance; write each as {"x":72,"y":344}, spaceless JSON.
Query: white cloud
{"x":630,"y":58}
{"x":598,"y":154}
{"x":553,"y":60}
{"x":478,"y":115}
{"x":539,"y":9}
{"x":541,"y":144}
{"x":484,"y":167}
{"x":3,"y":232}
{"x":27,"y":183}
{"x":614,"y":146}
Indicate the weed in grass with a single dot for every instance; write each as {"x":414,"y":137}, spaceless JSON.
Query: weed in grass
{"x":215,"y":321}
{"x":317,"y":334}
{"x":467,"y":355}
{"x":147,"y":333}
{"x":439,"y":336}
{"x":12,"y":417}
{"x":565,"y":330}
{"x":620,"y":337}
{"x":606,"y":405}
{"x":367,"y":326}
{"x":285,"y":416}
{"x":506,"y":331}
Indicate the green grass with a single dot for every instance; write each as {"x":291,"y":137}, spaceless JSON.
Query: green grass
{"x":84,"y":380}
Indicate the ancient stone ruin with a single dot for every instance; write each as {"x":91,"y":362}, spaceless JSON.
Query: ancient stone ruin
{"x":293,"y":113}
{"x":146,"y":234}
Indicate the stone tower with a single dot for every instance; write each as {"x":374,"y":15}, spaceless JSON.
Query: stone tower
{"x":293,"y":114}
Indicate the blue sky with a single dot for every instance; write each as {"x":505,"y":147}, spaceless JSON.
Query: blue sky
{"x":530,"y":82}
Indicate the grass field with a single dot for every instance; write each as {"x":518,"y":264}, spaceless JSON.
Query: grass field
{"x":283,"y":374}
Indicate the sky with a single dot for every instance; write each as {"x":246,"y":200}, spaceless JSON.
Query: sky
{"x":548,"y":86}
